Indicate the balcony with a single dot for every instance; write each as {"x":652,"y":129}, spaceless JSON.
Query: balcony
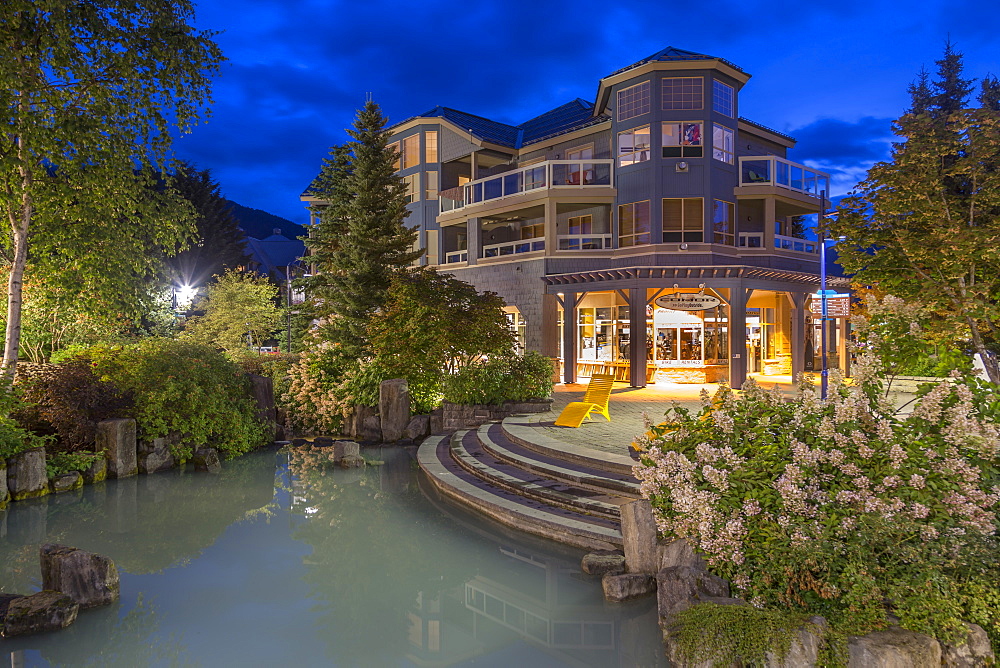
{"x":770,"y":170}
{"x":584,"y":241}
{"x":756,"y":240}
{"x":514,"y":247}
{"x":555,"y":174}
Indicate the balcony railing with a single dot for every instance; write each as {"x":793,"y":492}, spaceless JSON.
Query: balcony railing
{"x":756,"y":240}
{"x":585,"y":241}
{"x":771,"y":170}
{"x":549,"y":174}
{"x":514,"y":247}
{"x":457,"y":256}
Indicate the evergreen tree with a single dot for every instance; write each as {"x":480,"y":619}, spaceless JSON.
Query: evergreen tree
{"x":925,"y":226}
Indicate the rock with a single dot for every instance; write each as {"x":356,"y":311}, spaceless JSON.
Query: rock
{"x":975,"y":651}
{"x":322,"y":442}
{"x":206,"y":459}
{"x":116,"y":439}
{"x":357,"y":423}
{"x":343,"y":449}
{"x":673,"y":649}
{"x":371,"y":430}
{"x":639,"y":535}
{"x":352,"y":461}
{"x":437,"y":421}
{"x":627,"y":586}
{"x":154,"y":456}
{"x":417,"y":428}
{"x":97,"y":471}
{"x":44,"y":611}
{"x":66,"y":482}
{"x":262,"y":392}
{"x":678,"y":553}
{"x":87,"y":578}
{"x":893,"y":648}
{"x":299,"y":442}
{"x":680,"y":587}
{"x":394,"y":408}
{"x":603,"y":562}
{"x":5,"y":601}
{"x":4,"y":494}
{"x":26,"y":478}
{"x":804,"y":650}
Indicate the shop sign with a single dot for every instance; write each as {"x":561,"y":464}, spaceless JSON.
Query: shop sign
{"x":837,"y":306}
{"x":688,"y":301}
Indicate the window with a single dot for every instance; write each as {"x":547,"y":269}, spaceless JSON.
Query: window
{"x":722,"y":144}
{"x":412,"y":182}
{"x":633,"y":224}
{"x":683,"y":220}
{"x":533,"y":231}
{"x":724,"y":222}
{"x":633,"y":101}
{"x":430,"y":185}
{"x":723,"y":97}
{"x":683,"y":93}
{"x":580,"y":174}
{"x":682,"y":140}
{"x":431,"y":146}
{"x":581,"y":224}
{"x":633,"y":146}
{"x":394,"y":149}
{"x":581,"y":153}
{"x":411,"y":151}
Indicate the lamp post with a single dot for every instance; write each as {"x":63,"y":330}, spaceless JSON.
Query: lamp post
{"x":823,"y":296}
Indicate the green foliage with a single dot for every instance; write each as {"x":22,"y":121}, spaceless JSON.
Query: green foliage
{"x":240,"y":313}
{"x":498,"y":379}
{"x":727,"y":634}
{"x":59,"y":463}
{"x":186,"y":391}
{"x":13,"y":437}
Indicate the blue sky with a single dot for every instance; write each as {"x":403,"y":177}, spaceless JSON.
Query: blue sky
{"x":831,"y":74}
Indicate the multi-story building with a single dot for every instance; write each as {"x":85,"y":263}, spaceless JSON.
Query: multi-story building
{"x":655,"y":214}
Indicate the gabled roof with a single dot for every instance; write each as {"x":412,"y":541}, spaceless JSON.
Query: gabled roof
{"x":484,"y":128}
{"x":674,"y":54}
{"x":764,"y":127}
{"x":275,"y":252}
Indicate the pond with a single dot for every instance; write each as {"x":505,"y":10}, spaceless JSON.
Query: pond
{"x":282,"y":560}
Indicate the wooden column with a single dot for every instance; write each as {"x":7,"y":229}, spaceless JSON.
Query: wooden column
{"x":570,"y":301}
{"x":474,"y":239}
{"x":738,"y":297}
{"x":637,"y":336}
{"x":799,"y":300}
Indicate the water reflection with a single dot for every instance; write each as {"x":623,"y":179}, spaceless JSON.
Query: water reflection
{"x":286,"y":560}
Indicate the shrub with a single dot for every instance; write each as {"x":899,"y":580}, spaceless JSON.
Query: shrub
{"x":66,"y":462}
{"x":840,"y":507}
{"x":315,"y":399}
{"x":499,"y":379}
{"x":14,"y":438}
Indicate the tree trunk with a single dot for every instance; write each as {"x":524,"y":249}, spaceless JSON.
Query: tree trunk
{"x":15,"y":284}
{"x":989,"y":361}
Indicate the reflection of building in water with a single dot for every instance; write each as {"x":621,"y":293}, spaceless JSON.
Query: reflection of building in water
{"x":539,"y":610}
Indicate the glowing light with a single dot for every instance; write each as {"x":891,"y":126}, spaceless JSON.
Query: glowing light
{"x":185,"y":295}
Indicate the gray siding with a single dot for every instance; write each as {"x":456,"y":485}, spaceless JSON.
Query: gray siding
{"x":452,"y":146}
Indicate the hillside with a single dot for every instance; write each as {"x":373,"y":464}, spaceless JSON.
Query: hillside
{"x":261,"y":224}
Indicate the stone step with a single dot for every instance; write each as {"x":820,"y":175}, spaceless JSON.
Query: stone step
{"x":523,"y":430}
{"x":468,"y":452}
{"x":550,"y":461}
{"x":525,"y":514}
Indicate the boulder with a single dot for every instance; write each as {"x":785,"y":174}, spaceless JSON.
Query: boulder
{"x":603,"y":562}
{"x":97,"y":471}
{"x":359,"y":415}
{"x":322,"y":442}
{"x":639,"y":536}
{"x":893,"y":648}
{"x":206,"y":459}
{"x":262,"y":392}
{"x":87,"y":578}
{"x":116,"y":439}
{"x":804,"y":650}
{"x":680,"y":587}
{"x":26,"y":477}
{"x":437,"y":421}
{"x":154,"y":456}
{"x":975,"y":651}
{"x":371,"y":430}
{"x":351,"y":461}
{"x":4,"y":494}
{"x":394,"y":408}
{"x":5,"y":600}
{"x":417,"y":428}
{"x":67,"y":482}
{"x":299,"y":442}
{"x":626,"y":586}
{"x":343,"y":449}
{"x":44,"y":611}
{"x":678,"y":553}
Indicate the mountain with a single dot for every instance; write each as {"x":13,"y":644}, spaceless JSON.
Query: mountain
{"x":261,"y":224}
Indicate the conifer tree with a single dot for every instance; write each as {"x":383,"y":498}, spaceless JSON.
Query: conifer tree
{"x":925,"y":226}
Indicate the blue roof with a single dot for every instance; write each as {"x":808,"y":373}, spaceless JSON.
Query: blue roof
{"x":492,"y":131}
{"x":275,"y":252}
{"x":673,"y":54}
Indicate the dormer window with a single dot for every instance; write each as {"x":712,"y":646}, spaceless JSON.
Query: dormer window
{"x":682,"y":93}
{"x":633,"y":101}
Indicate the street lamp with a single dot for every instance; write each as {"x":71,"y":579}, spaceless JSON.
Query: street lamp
{"x":823,"y":295}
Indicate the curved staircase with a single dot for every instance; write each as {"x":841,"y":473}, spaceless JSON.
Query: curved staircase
{"x":514,"y":473}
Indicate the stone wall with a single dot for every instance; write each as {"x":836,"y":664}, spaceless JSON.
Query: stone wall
{"x":462,"y":416}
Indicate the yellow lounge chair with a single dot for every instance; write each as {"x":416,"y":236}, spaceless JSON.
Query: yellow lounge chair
{"x":596,"y":399}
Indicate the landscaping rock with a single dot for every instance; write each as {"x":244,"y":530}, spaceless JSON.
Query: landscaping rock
{"x":299,"y":442}
{"x":154,"y":456}
{"x":626,"y":586}
{"x":44,"y":611}
{"x":394,"y":408}
{"x":680,"y":587}
{"x":87,"y":578}
{"x":26,"y":476}
{"x":206,"y":459}
{"x":603,"y":562}
{"x":5,"y":601}
{"x":678,"y":553}
{"x":371,"y":430}
{"x":417,"y":428}
{"x":893,"y":648}
{"x":352,"y":461}
{"x":4,"y":494}
{"x":356,"y":425}
{"x":804,"y":650}
{"x":975,"y":651}
{"x":262,"y":391}
{"x":116,"y":439}
{"x":437,"y":421}
{"x":322,"y":442}
{"x":639,"y":535}
{"x":67,"y":482}
{"x":96,"y":472}
{"x":343,"y":449}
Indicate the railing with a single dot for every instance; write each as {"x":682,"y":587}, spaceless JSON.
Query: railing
{"x":514,"y":247}
{"x":549,"y":174}
{"x":584,"y":241}
{"x":771,"y":170}
{"x":457,"y":256}
{"x":756,"y":240}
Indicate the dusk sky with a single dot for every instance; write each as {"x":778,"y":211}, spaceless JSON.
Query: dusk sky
{"x":831,"y":74}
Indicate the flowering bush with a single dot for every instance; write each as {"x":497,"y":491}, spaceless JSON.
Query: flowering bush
{"x":840,"y":507}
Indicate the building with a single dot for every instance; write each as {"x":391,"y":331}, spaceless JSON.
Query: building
{"x":654,"y":214}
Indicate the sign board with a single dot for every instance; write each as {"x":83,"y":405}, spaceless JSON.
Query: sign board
{"x":688,"y":301}
{"x":837,"y":306}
